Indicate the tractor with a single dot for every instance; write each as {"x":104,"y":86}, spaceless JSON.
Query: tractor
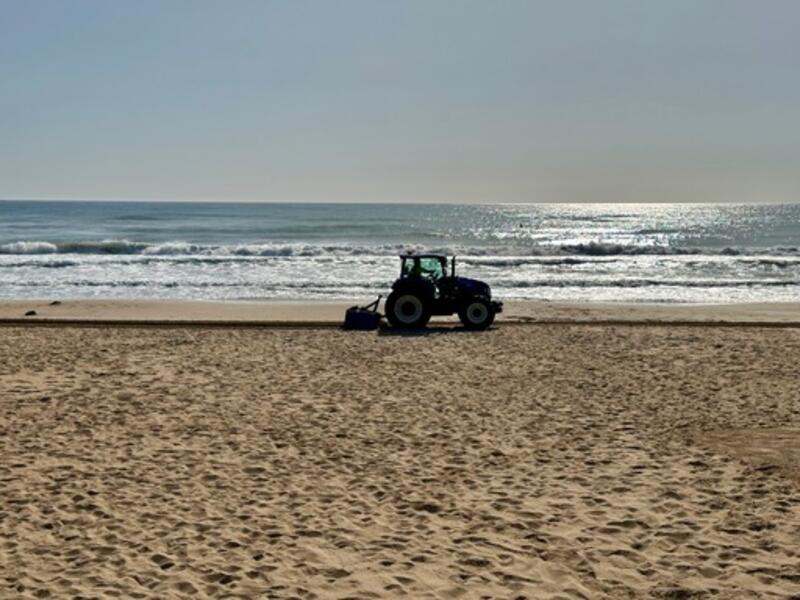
{"x":424,"y":289}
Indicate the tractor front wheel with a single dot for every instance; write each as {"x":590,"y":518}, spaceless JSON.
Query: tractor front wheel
{"x":476,"y":314}
{"x":407,"y":310}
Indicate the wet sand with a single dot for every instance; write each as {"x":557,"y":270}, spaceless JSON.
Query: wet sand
{"x":332,"y":313}
{"x":537,"y":461}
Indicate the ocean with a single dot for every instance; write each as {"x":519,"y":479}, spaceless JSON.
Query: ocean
{"x":699,"y":253}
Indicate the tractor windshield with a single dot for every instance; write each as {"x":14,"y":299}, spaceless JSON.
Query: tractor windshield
{"x":431,"y":268}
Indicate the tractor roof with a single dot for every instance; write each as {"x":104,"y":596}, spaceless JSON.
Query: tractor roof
{"x":414,"y":255}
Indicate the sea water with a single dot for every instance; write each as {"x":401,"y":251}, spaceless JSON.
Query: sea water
{"x":568,"y":252}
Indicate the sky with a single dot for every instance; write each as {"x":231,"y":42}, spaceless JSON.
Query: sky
{"x":400,"y":100}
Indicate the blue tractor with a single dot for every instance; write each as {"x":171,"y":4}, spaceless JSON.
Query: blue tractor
{"x":425,"y":289}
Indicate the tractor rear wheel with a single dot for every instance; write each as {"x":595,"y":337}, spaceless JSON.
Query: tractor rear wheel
{"x":476,"y":314}
{"x":407,"y":309}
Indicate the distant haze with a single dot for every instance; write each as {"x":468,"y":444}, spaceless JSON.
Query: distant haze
{"x":393,"y":101}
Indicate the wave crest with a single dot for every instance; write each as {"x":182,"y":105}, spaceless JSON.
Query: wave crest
{"x":278,"y":249}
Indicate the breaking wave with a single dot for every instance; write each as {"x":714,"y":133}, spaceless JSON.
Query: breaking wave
{"x":508,"y":253}
{"x":82,"y":247}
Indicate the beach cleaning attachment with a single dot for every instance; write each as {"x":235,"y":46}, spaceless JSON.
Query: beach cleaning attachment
{"x":364,"y":318}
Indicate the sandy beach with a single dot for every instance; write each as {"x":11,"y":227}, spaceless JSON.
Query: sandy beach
{"x":560,"y":460}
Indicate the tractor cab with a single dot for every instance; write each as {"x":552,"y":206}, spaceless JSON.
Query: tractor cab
{"x":429,"y":267}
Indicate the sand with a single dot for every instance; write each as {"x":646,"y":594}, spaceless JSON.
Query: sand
{"x":533,"y":461}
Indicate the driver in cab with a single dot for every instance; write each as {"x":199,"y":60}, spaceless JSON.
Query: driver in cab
{"x":417,"y":270}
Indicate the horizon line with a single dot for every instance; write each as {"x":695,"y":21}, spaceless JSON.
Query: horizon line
{"x":395,"y":203}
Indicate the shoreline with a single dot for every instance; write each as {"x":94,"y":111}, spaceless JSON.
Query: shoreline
{"x":201,"y":313}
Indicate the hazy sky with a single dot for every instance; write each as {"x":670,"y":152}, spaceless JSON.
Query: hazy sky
{"x":430,"y":100}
